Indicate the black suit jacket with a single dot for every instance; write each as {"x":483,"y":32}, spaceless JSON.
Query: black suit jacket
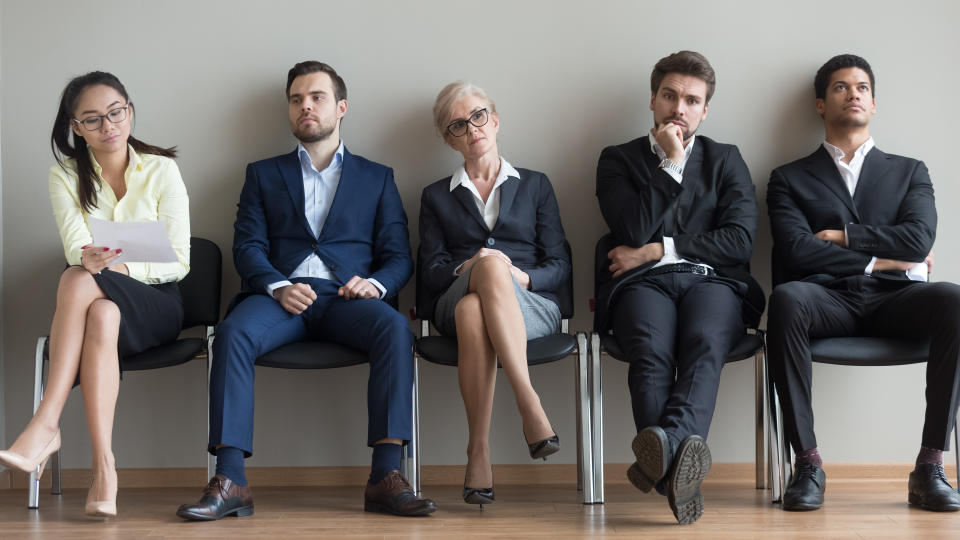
{"x":714,"y":214}
{"x":528,"y":230}
{"x":891,"y":215}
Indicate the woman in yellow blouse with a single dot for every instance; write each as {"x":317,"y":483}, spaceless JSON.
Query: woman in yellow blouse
{"x":106,"y":310}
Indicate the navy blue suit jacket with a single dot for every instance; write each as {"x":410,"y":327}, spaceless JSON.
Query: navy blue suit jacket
{"x":365,"y":233}
{"x":528,"y":230}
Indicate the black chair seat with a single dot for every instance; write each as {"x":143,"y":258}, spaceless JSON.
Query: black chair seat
{"x":312,"y":355}
{"x":747,"y":347}
{"x":171,"y":354}
{"x":443,"y":350}
{"x":869,"y":351}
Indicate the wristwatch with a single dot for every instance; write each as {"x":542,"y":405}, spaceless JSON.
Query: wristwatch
{"x":671,"y":166}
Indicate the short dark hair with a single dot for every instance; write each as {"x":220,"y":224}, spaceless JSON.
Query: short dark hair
{"x":841,"y":61}
{"x":312,"y":66}
{"x":686,"y":63}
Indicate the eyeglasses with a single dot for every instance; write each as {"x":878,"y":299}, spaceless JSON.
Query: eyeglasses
{"x":115,"y":116}
{"x":458,"y":128}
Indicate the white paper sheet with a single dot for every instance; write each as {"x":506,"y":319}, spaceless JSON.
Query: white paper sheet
{"x":141,"y":241}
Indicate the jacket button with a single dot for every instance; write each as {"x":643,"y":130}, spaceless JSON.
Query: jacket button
{"x":491,"y":241}
{"x":313,"y":246}
{"x":333,"y":267}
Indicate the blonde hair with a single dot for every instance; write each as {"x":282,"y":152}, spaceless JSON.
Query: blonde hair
{"x":450,"y":95}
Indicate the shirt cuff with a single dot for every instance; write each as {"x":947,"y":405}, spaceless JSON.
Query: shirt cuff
{"x":669,"y":250}
{"x":673,"y":174}
{"x":274,"y":286}
{"x":869,"y":269}
{"x":379,"y":286}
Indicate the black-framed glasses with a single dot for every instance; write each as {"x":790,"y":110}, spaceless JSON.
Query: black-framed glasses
{"x":478,"y":118}
{"x":115,"y":116}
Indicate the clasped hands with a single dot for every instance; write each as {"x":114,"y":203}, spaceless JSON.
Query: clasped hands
{"x":624,"y":258}
{"x":296,"y":298}
{"x":839,"y":237}
{"x":522,"y":277}
{"x":95,"y":259}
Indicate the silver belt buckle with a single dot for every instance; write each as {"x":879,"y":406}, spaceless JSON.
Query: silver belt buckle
{"x":700,"y":270}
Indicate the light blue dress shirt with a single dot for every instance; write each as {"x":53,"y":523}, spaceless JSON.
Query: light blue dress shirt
{"x":319,"y":188}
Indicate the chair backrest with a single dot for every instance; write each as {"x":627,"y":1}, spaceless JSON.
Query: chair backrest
{"x":200,"y":289}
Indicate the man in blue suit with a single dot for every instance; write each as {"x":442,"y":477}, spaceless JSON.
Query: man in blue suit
{"x":320,"y":241}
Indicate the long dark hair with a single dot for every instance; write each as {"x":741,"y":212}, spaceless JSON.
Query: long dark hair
{"x":60,"y":144}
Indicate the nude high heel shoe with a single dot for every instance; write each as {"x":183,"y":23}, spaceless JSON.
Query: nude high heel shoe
{"x":36,"y":464}
{"x":102,"y":509}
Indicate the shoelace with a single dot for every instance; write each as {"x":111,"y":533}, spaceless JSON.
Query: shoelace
{"x":938,"y":472}
{"x":806,"y":470}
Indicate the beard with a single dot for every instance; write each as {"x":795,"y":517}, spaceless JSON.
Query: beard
{"x":685,"y":130}
{"x":316,"y":133}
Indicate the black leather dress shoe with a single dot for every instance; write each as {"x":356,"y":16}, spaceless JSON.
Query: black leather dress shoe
{"x":689,"y":468}
{"x":542,"y":449}
{"x":930,"y":490}
{"x":393,"y":495}
{"x":220,"y":498}
{"x":806,"y":488}
{"x":654,"y":456}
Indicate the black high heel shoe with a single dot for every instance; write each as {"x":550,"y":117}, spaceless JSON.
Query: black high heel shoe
{"x":479,"y":496}
{"x":542,"y":449}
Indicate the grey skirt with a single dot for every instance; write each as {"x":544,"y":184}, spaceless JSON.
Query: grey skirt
{"x":541,"y":317}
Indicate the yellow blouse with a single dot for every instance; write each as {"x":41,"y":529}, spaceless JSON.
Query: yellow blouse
{"x":155,"y":191}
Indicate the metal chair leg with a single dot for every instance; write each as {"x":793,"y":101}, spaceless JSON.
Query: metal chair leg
{"x":33,"y":496}
{"x":956,"y":450}
{"x":777,"y":472}
{"x":413,"y":457}
{"x":759,"y":408}
{"x":596,"y":421}
{"x":211,"y":459}
{"x":585,"y":456}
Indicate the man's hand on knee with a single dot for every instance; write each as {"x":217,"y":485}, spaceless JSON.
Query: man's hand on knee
{"x":295,"y":298}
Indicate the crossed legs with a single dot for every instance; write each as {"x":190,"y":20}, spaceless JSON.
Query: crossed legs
{"x":490,"y":327}
{"x":83,"y":339}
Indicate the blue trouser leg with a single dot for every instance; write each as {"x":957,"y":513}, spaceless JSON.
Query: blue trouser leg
{"x":257,"y":325}
{"x":376,"y":328}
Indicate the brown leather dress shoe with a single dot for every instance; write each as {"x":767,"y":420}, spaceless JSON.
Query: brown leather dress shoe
{"x":393,"y":495}
{"x":220,"y":498}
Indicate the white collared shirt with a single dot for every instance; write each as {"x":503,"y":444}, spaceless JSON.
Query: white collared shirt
{"x":490,"y":210}
{"x":670,"y":255}
{"x":850,"y":173}
{"x":319,"y":189}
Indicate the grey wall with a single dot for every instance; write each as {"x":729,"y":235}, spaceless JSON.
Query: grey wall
{"x":569,"y":78}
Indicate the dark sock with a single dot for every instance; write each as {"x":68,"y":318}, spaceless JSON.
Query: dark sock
{"x":929,"y":455}
{"x":811,"y":456}
{"x":230,"y":464}
{"x":386,"y":458}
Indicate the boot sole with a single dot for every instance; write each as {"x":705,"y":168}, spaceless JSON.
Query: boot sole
{"x":651,"y":464}
{"x":243,"y":511}
{"x":691,"y":466}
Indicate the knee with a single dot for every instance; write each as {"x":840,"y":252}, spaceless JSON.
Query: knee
{"x":468,"y":311}
{"x":492,"y":270}
{"x":394,"y":327}
{"x":946,"y":302}
{"x":74,"y":282}
{"x":103,"y":317}
{"x":787,"y":303}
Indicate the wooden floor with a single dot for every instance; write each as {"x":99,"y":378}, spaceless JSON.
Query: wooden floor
{"x":734,"y":509}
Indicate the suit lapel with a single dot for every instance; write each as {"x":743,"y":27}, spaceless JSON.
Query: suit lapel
{"x":508,"y":192}
{"x":349,"y":181}
{"x":873,"y":170}
{"x":469,"y":204}
{"x":824,"y":170}
{"x":292,"y":175}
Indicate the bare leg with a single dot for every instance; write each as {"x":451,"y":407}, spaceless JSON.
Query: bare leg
{"x":100,"y":382}
{"x":491,"y":280}
{"x":76,"y":292}
{"x":477,"y":373}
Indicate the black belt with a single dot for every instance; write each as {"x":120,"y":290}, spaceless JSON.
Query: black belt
{"x":686,"y":268}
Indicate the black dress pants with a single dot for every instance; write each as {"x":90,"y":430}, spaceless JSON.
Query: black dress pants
{"x":676,"y":329}
{"x":864,"y":306}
